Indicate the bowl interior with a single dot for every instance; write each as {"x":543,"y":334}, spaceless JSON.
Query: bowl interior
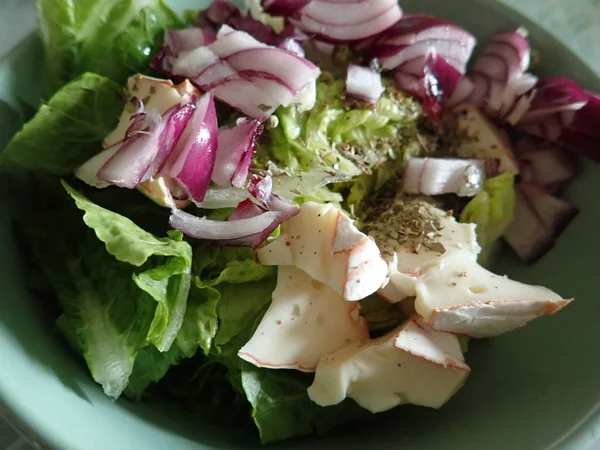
{"x":533,"y":388}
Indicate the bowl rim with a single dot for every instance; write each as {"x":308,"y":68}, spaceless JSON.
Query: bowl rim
{"x":581,"y":435}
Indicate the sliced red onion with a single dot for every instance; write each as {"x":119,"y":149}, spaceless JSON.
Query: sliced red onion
{"x":492,"y":167}
{"x":363,"y":83}
{"x":412,"y":84}
{"x":345,"y":27}
{"x":437,"y":176}
{"x":230,"y":41}
{"x":293,"y":46}
{"x":327,"y":48}
{"x":215,"y":230}
{"x":440,"y":80}
{"x":141,"y":155}
{"x":480,"y":90}
{"x":225,"y":13}
{"x":555,"y":95}
{"x":138,"y":120}
{"x":588,"y":146}
{"x":527,"y":235}
{"x":414,"y":28}
{"x":506,"y":58}
{"x":246,"y":210}
{"x":293,"y":71}
{"x":500,"y":85}
{"x":187,"y":39}
{"x":220,"y":11}
{"x":585,"y":120}
{"x":415,"y":36}
{"x":346,"y":13}
{"x":464,"y":90}
{"x":283,"y":7}
{"x":261,"y":191}
{"x":550,"y":166}
{"x":248,"y":75}
{"x":454,"y":52}
{"x":234,"y":154}
{"x":246,"y":97}
{"x":555,"y":213}
{"x":248,"y":226}
{"x":519,"y":43}
{"x":260,"y":31}
{"x":539,"y":219}
{"x":261,"y":188}
{"x":518,"y":110}
{"x":191,"y":162}
{"x":179,"y":120}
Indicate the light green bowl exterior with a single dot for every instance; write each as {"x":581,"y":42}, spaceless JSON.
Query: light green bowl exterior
{"x":535,"y":388}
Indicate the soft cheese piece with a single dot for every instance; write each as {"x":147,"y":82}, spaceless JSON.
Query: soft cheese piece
{"x":323,"y":241}
{"x":408,"y":261}
{"x":305,"y":320}
{"x":412,"y":364}
{"x":452,"y":291}
{"x":462,"y":297}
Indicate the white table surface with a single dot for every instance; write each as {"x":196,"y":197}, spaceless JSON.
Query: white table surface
{"x":575,"y":22}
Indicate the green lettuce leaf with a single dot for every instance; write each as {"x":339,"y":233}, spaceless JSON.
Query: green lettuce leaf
{"x":238,"y":292}
{"x":113,"y":311}
{"x":168,"y":283}
{"x":492,"y":210}
{"x":281,"y":408}
{"x":114,"y":38}
{"x":68,"y":130}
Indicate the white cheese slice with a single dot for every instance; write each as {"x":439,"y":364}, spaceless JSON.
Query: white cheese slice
{"x":305,"y":320}
{"x":412,"y":364}
{"x":453,"y":292}
{"x":323,"y":241}
{"x":462,"y":297}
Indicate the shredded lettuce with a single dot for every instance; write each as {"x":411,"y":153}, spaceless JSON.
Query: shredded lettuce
{"x":345,"y":136}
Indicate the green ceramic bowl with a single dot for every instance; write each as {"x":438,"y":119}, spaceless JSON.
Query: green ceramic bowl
{"x":535,"y":388}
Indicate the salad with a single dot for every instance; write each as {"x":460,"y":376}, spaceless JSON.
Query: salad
{"x":287,"y":213}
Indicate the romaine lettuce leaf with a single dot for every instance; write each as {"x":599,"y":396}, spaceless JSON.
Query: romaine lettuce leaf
{"x":68,"y":130}
{"x":281,"y":408}
{"x":114,"y":38}
{"x":167,"y":283}
{"x":106,"y":314}
{"x":238,"y":292}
